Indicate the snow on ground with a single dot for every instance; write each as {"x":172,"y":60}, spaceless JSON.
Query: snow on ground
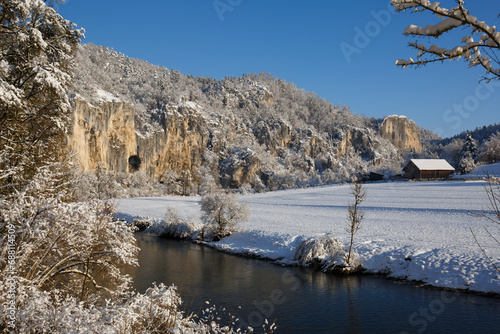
{"x":412,"y":230}
{"x":482,"y":172}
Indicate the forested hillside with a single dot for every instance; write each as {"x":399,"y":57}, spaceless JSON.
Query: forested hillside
{"x":256,"y":130}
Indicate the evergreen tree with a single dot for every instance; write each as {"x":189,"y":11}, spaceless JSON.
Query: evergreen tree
{"x":468,"y":155}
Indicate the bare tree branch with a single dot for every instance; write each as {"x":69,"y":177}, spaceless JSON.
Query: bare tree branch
{"x":477,"y":51}
{"x":482,"y":250}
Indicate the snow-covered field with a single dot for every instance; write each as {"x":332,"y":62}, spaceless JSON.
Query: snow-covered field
{"x":412,"y":230}
{"x":482,"y":172}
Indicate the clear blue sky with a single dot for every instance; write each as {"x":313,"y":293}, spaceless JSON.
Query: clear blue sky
{"x":305,"y":42}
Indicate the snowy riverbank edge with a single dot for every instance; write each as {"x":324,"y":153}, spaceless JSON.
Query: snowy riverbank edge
{"x":362,"y":271}
{"x":280,"y":261}
{"x":427,"y":243}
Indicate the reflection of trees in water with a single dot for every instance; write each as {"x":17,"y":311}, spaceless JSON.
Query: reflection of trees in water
{"x":340,"y":291}
{"x":352,"y":285}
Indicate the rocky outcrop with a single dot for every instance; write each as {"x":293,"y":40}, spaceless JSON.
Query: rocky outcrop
{"x":179,"y":146}
{"x":239,"y":168}
{"x":273,"y":134}
{"x":106,"y":134}
{"x":103,"y":134}
{"x":401,"y":132}
{"x":357,"y":139}
{"x":184,"y":122}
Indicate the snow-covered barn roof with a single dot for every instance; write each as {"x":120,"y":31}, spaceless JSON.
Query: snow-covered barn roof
{"x":432,"y":164}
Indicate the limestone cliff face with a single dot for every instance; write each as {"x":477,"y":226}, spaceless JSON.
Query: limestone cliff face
{"x":273,"y":134}
{"x":401,"y":132}
{"x":240,"y":168}
{"x":104,"y":134}
{"x":357,"y":139}
{"x":180,"y":146}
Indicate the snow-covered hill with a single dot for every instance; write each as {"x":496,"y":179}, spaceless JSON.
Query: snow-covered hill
{"x":482,"y":172}
{"x":187,"y":125}
{"x":413,"y":230}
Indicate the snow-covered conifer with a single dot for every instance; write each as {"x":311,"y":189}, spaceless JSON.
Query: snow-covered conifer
{"x":468,"y":155}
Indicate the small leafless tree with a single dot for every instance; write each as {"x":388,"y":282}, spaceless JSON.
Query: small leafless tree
{"x":355,"y":215}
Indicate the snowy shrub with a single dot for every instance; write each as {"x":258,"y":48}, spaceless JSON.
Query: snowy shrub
{"x":208,"y":185}
{"x":258,"y":187}
{"x":77,"y":248}
{"x":327,"y":252}
{"x":494,"y":180}
{"x":329,"y":176}
{"x":176,"y":227}
{"x":172,"y":183}
{"x":155,"y":311}
{"x":246,"y":189}
{"x":490,"y":152}
{"x":281,"y":181}
{"x":40,"y":311}
{"x":158,"y":310}
{"x":221,"y":212}
{"x":186,"y":181}
{"x":100,"y":185}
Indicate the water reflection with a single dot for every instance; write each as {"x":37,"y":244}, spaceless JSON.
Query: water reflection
{"x":304,"y":300}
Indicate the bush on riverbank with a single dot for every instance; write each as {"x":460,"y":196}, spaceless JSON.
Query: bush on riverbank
{"x":221,"y":213}
{"x":327,"y":254}
{"x":174,"y":226}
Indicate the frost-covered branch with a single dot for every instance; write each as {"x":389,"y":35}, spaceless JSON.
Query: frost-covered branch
{"x":483,"y":251}
{"x":479,"y":47}
{"x":36,"y":53}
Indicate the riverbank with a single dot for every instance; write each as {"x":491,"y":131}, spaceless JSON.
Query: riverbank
{"x":414,"y":231}
{"x":303,"y":300}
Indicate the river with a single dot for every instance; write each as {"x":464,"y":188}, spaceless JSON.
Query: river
{"x":307,"y":301}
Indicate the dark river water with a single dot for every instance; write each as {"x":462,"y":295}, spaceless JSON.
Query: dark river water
{"x":306,"y":301}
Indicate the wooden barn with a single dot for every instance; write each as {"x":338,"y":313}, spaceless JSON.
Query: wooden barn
{"x":427,"y":169}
